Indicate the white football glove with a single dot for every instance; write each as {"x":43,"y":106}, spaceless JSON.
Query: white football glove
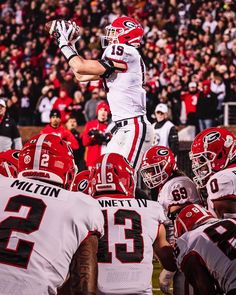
{"x":65,"y":34}
{"x":165,"y":280}
{"x":75,"y":36}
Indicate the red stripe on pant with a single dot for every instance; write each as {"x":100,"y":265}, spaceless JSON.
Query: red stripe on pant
{"x":186,"y":287}
{"x":136,"y":134}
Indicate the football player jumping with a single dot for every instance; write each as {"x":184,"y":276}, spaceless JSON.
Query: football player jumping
{"x":213,"y":155}
{"x":123,"y":71}
{"x":133,"y":230}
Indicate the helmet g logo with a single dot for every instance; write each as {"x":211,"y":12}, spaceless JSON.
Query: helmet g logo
{"x":130,"y":24}
{"x":210,"y":137}
{"x":162,"y":152}
{"x":82,"y":186}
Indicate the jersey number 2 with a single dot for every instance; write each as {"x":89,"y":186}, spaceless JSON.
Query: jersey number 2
{"x":134,"y":233}
{"x":21,"y":255}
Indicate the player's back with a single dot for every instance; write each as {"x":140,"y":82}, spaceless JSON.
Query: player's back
{"x":125,"y":252}
{"x":41,"y":228}
{"x":215,"y":245}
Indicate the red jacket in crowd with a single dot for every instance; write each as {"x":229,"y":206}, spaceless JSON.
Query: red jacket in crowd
{"x":94,"y":146}
{"x":63,"y":133}
{"x":190,"y":100}
{"x":61,"y":103}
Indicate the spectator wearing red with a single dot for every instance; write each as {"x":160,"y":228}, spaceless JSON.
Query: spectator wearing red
{"x":190,"y":100}
{"x":94,"y":136}
{"x":62,"y":103}
{"x":55,"y":127}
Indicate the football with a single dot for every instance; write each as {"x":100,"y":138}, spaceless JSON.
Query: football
{"x":50,"y":26}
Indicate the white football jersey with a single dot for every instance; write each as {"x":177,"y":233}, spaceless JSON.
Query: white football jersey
{"x":125,"y":252}
{"x":126,"y":96}
{"x":41,"y":227}
{"x":215,"y":244}
{"x":178,"y":190}
{"x":220,"y":185}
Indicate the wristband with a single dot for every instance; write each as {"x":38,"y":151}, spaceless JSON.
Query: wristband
{"x":68,"y":52}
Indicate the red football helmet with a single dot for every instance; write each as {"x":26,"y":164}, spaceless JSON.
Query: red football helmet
{"x":211,"y":151}
{"x":123,"y":30}
{"x":9,"y":163}
{"x":157,"y":166}
{"x":112,"y":174}
{"x":47,"y":157}
{"x":190,"y":217}
{"x":81,"y":183}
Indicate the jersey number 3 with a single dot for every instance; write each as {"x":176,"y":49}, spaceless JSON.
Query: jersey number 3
{"x":21,"y":255}
{"x":134,"y":233}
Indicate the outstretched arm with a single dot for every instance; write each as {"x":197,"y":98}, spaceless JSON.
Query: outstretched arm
{"x":92,"y":69}
{"x":86,"y":78}
{"x":164,"y":250}
{"x":87,"y":70}
{"x":83,"y":270}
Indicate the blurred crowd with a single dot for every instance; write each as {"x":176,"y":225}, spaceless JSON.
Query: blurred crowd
{"x":189,"y":49}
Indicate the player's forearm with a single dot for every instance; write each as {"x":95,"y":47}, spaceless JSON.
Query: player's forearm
{"x":86,"y":78}
{"x":84,"y":268}
{"x":82,"y":66}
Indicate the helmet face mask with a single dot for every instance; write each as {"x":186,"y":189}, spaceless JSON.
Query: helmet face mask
{"x":8,"y":169}
{"x":111,"y":36}
{"x":9,"y":163}
{"x":155,"y":174}
{"x":201,"y":167}
{"x":157,"y":166}
{"x":123,"y":30}
{"x":211,"y":151}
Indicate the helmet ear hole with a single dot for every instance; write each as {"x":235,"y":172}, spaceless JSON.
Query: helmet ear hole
{"x":115,"y":171}
{"x":220,"y":155}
